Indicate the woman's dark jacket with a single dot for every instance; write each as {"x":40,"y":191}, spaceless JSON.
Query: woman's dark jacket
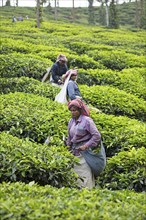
{"x":58,"y":70}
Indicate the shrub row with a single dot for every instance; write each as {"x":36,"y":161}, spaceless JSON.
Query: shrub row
{"x":94,"y":96}
{"x":28,"y":85}
{"x":114,"y":101}
{"x":130,"y":80}
{"x":18,"y":65}
{"x":25,"y":45}
{"x":35,"y":117}
{"x":119,"y":133}
{"x":23,"y":160}
{"x":118,"y":60}
{"x":125,"y":171}
{"x":96,"y":36}
{"x":30,"y":201}
{"x":50,"y":53}
{"x":110,"y":57}
{"x":134,"y":41}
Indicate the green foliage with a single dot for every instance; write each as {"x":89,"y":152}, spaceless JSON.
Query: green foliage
{"x":28,"y":85}
{"x":8,"y":3}
{"x":30,"y":201}
{"x":118,"y":60}
{"x":23,"y":160}
{"x":126,"y":171}
{"x":113,"y":15}
{"x":119,"y":133}
{"x":32,"y":116}
{"x":17,"y":65}
{"x":35,"y":117}
{"x":114,"y":101}
{"x":126,"y":14}
{"x":131,"y":80}
{"x":113,"y":58}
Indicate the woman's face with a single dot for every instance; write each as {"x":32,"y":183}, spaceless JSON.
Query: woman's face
{"x":75,"y":112}
{"x":73,"y":77}
{"x":62,"y":62}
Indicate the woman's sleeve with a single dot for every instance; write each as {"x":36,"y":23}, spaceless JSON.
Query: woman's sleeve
{"x":95,"y":135}
{"x":54,"y":73}
{"x":71,"y":91}
{"x":68,"y":142}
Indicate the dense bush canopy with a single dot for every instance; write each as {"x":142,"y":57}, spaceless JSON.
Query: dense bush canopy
{"x":112,"y":68}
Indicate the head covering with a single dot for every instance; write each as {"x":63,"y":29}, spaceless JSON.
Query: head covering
{"x":81,"y":105}
{"x":69,"y":73}
{"x":61,"y":57}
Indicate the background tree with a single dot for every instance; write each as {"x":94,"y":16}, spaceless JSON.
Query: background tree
{"x":73,"y":10}
{"x":38,"y":13}
{"x":102,"y":14}
{"x":91,"y":12}
{"x":140,"y":16}
{"x":56,"y":12}
{"x":107,"y":12}
{"x":104,"y":3}
{"x":143,"y":14}
{"x":113,"y":15}
{"x":8,"y":3}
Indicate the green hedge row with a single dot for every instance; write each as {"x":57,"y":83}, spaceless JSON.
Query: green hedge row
{"x":110,"y":57}
{"x":30,"y":201}
{"x":29,"y":44}
{"x":114,"y":101}
{"x":118,"y":60}
{"x":35,"y":117}
{"x":125,"y":171}
{"x":17,"y":65}
{"x":28,"y":85}
{"x":130,"y":80}
{"x":120,"y":133}
{"x":23,"y":160}
{"x":49,"y":52}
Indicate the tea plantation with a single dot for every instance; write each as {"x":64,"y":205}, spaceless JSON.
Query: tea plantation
{"x":37,"y":180}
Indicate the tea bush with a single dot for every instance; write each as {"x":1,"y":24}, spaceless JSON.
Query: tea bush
{"x":17,"y":65}
{"x":27,"y":46}
{"x":118,"y":60}
{"x":131,"y":80}
{"x":23,"y":160}
{"x":35,"y":117}
{"x":114,"y":101}
{"x":28,"y":85}
{"x":30,"y":201}
{"x":119,"y":133}
{"x":126,"y":171}
{"x":97,"y":52}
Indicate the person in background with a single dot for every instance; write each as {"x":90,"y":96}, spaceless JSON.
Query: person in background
{"x":59,"y":68}
{"x":14,"y":19}
{"x":73,"y":91}
{"x":82,"y":135}
{"x":20,"y":18}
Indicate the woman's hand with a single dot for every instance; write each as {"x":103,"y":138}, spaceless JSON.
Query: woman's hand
{"x":83,"y":147}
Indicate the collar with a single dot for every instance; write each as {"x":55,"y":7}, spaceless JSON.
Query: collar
{"x":78,"y":120}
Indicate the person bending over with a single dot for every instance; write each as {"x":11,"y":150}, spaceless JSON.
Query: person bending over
{"x":59,"y":68}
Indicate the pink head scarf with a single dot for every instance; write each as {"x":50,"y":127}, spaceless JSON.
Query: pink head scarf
{"x":70,"y":73}
{"x":81,"y":105}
